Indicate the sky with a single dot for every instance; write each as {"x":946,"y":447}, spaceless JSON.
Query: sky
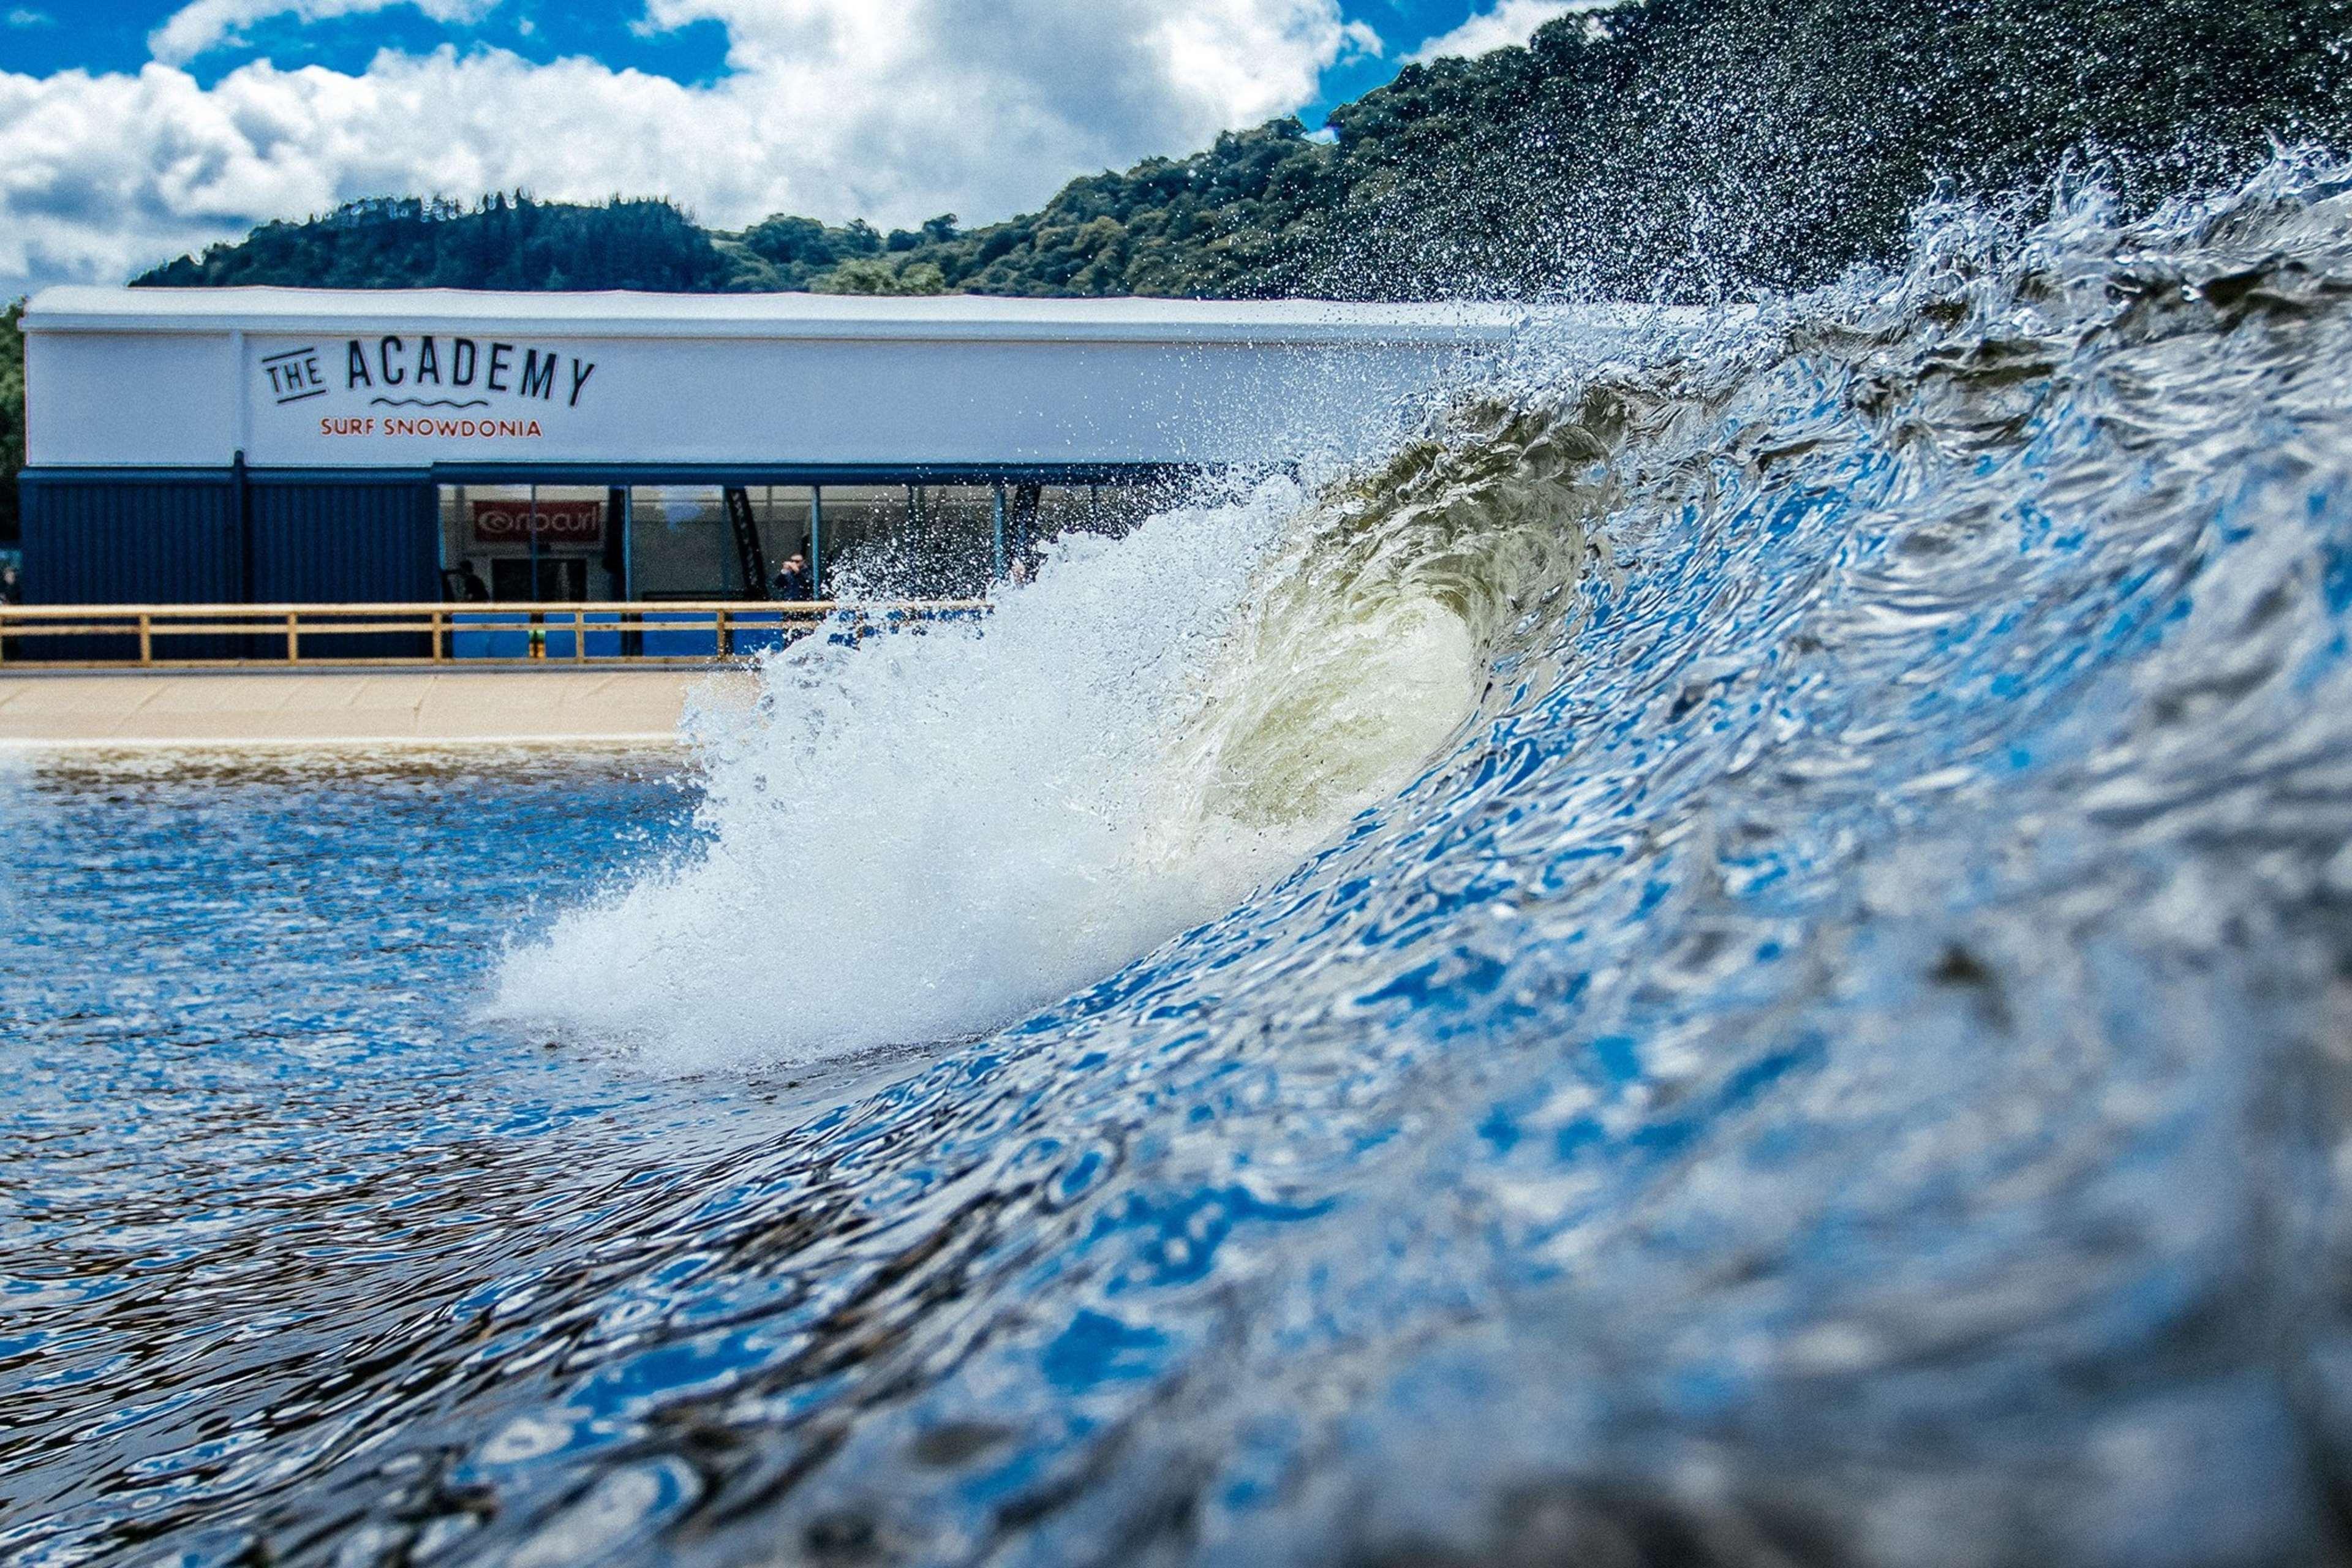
{"x":135,"y":130}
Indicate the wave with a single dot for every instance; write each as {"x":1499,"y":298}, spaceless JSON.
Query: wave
{"x":1739,"y":953}
{"x":921,"y":838}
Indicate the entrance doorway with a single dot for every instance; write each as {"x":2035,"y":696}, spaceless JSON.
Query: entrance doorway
{"x":549,"y":579}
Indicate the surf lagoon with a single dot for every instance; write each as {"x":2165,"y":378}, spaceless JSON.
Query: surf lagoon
{"x":1739,"y":952}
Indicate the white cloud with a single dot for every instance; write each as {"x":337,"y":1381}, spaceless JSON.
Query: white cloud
{"x":26,"y":16}
{"x":834,"y":108}
{"x":204,"y":25}
{"x":1509,"y":23}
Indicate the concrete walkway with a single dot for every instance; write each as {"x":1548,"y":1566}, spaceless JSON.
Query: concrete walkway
{"x":43,"y":708}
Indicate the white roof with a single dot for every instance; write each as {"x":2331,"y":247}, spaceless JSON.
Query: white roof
{"x":974,"y":317}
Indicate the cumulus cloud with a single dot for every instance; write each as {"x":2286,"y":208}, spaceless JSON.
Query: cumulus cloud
{"x":890,"y":97}
{"x":1509,"y":23}
{"x":202,"y":26}
{"x":835,"y":108}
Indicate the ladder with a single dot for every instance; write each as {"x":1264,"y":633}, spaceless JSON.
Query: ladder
{"x":754,"y":560}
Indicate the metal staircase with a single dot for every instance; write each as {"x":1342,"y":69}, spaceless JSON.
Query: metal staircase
{"x":747,"y":552}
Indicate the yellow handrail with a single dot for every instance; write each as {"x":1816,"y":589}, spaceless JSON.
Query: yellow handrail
{"x":442,"y":623}
{"x":501,"y":606}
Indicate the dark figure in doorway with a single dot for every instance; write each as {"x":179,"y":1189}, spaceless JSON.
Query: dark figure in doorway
{"x":11,"y":586}
{"x":1020,"y":532}
{"x":468,"y":587}
{"x":793,"y":581}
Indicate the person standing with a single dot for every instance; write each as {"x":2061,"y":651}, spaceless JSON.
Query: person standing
{"x":792,"y":579}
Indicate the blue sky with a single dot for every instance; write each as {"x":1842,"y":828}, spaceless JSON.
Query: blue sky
{"x":111,"y":36}
{"x":133,"y":129}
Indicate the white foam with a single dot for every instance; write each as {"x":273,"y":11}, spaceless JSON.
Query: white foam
{"x":924,"y":837}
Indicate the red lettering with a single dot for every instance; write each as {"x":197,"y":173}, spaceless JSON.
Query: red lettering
{"x":447,"y":430}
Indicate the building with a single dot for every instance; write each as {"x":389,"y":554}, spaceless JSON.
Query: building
{"x":295,"y":446}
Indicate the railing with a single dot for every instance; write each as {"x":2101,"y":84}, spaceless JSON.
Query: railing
{"x":588,"y":633}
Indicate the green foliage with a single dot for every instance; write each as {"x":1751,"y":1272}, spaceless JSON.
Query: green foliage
{"x":502,"y":242}
{"x":1682,"y":148}
{"x":1692,"y":148}
{"x":876,"y":276}
{"x":792,"y":252}
{"x":1240,"y":218}
{"x":12,"y":416}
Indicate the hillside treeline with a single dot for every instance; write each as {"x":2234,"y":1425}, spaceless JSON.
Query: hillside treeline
{"x":501,"y":242}
{"x":12,"y":417}
{"x":1672,"y":148}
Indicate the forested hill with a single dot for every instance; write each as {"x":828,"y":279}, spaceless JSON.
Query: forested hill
{"x":12,"y":417}
{"x":1674,"y":148}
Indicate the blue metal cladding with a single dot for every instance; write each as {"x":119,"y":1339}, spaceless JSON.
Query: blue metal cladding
{"x":339,"y":542}
{"x":144,"y":541}
{"x":185,"y":539}
{"x":169,"y":542}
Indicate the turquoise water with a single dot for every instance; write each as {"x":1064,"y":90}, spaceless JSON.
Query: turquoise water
{"x":1827,"y":1042}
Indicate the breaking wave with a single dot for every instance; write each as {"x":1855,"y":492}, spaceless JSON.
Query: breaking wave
{"x":1801,"y":1027}
{"x":922,"y":836}
{"x":1741,"y":952}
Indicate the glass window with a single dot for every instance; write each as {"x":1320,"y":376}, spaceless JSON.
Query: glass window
{"x":523,"y":542}
{"x":567,"y":542}
{"x":679,"y":545}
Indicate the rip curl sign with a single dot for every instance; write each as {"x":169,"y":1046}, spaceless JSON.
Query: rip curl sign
{"x":434,"y":386}
{"x":578,"y":522}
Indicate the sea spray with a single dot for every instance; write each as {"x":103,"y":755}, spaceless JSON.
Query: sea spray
{"x":917,"y":836}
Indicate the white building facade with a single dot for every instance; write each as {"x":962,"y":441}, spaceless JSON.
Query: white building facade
{"x":208,"y":445}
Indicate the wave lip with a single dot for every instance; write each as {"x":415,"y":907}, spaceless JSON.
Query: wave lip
{"x":921,"y":838}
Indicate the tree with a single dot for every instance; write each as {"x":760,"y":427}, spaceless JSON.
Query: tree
{"x":12,"y":417}
{"x":876,"y":276}
{"x":505,"y":241}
